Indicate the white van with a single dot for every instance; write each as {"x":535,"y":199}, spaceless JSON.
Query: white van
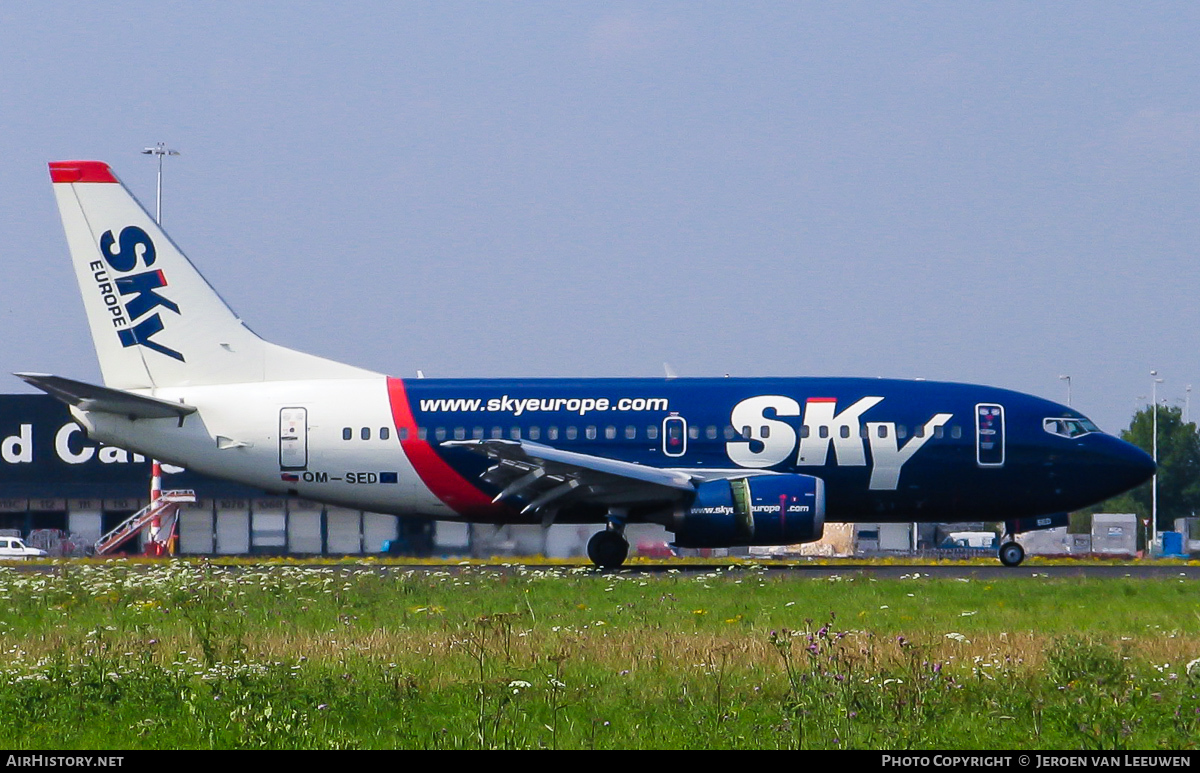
{"x":15,"y":548}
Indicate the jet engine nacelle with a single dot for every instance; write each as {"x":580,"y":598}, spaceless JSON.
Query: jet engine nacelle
{"x":755,"y":510}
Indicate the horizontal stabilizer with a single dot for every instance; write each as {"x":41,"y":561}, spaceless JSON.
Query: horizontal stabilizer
{"x":89,"y":397}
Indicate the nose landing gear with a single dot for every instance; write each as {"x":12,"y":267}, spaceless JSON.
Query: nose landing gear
{"x":1011,"y":554}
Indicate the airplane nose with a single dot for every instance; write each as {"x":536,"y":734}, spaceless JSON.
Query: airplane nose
{"x":1128,"y":466}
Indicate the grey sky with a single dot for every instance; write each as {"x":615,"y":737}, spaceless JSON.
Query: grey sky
{"x":998,"y":193}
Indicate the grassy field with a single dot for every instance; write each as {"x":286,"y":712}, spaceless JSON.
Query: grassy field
{"x":190,"y":655}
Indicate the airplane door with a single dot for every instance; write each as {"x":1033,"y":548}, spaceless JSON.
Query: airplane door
{"x":674,"y":436}
{"x":293,"y":438}
{"x":989,"y":435}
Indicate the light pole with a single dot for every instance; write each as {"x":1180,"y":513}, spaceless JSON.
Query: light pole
{"x":1068,"y":380}
{"x":160,"y":149}
{"x":1152,"y":533}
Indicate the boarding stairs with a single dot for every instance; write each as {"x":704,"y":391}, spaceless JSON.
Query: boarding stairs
{"x":165,"y":509}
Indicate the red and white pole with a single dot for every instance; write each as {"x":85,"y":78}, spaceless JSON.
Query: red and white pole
{"x":153,"y":548}
{"x":155,"y":481}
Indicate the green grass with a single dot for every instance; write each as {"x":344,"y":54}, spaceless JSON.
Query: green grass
{"x":124,"y":655}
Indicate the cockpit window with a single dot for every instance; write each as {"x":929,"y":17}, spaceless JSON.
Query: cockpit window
{"x":1068,"y":427}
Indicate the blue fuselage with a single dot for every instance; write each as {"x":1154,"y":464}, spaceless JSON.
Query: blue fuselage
{"x":887,"y":450}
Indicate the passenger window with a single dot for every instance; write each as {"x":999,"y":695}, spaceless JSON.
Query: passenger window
{"x":693,"y":432}
{"x":882,"y":430}
{"x":730,"y":434}
{"x":552,"y":433}
{"x":590,"y":432}
{"x":477,"y":433}
{"x":631,"y":432}
{"x":823,"y":431}
{"x":384,"y":434}
{"x":497,"y":433}
{"x":766,"y":431}
{"x":610,"y":432}
{"x":939,"y":432}
{"x":572,"y":433}
{"x":710,"y":432}
{"x":440,"y":433}
{"x":652,"y":432}
{"x":956,"y":432}
{"x":514,"y":433}
{"x":347,"y":433}
{"x":422,"y":433}
{"x":365,"y":433}
{"x":460,"y":433}
{"x":901,"y":432}
{"x":845,"y":430}
{"x":535,"y":433}
{"x":404,"y":433}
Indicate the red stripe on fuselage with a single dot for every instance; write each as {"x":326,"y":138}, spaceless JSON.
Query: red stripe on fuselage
{"x":439,"y":477}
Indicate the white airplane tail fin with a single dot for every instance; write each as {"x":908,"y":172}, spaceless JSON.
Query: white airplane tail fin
{"x":155,"y":321}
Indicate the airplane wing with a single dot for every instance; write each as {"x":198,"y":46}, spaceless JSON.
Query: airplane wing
{"x":90,"y":397}
{"x":549,"y":478}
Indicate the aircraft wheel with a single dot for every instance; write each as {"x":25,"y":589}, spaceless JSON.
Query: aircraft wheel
{"x":607,"y":549}
{"x":1011,"y":554}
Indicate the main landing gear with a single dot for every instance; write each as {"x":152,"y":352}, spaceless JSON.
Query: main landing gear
{"x":608,"y":549}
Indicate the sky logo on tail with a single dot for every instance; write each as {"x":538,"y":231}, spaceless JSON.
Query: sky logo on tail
{"x":131,"y":297}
